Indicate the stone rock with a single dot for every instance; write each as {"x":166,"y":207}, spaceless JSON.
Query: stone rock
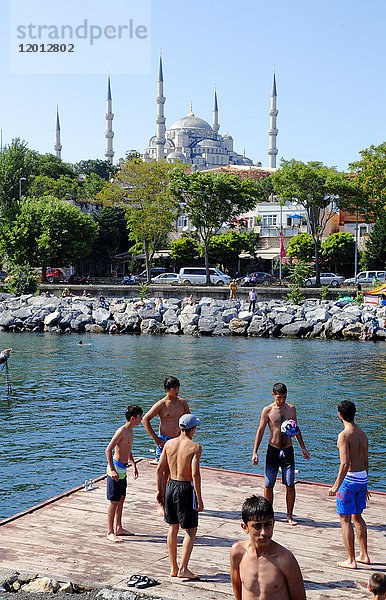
{"x":381,"y":334}
{"x":188,"y":320}
{"x":211,"y":311}
{"x":317,"y":330}
{"x":66,"y":588}
{"x":191,"y":330}
{"x":191,"y":309}
{"x":170,"y":318}
{"x":229,"y":314}
{"x":22,"y":313}
{"x":296,"y":329}
{"x":52,"y":318}
{"x":152,"y":327}
{"x":318,"y":315}
{"x":259,"y":326}
{"x":119,"y":307}
{"x":206,"y":325}
{"x":245,"y":315}
{"x":281,"y":318}
{"x":173,"y":329}
{"x":238,"y":327}
{"x":353,"y":331}
{"x":94,"y":328}
{"x":40,"y":585}
{"x":6,"y":319}
{"x":101,"y":316}
{"x":221,"y":330}
{"x":149,"y":313}
{"x":108,"y":594}
{"x":337,"y":326}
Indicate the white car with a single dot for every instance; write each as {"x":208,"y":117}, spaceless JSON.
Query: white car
{"x":326,"y":279}
{"x":367,"y":277}
{"x":165,"y":278}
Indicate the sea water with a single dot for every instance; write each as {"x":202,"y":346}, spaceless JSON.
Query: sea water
{"x":68,"y":400}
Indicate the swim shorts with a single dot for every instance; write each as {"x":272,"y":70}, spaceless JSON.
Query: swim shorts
{"x":158,"y":449}
{"x":119,"y":467}
{"x":351,"y":496}
{"x":180,"y":504}
{"x":276,"y":458}
{"x":116,"y":489}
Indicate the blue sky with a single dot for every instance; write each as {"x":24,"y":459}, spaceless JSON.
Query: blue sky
{"x":330,"y":67}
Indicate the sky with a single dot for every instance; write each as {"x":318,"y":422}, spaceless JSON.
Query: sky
{"x":329,"y":59}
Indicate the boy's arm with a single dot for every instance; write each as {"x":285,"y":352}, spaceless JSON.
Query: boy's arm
{"x":291,"y":570}
{"x":109,"y":453}
{"x":259,"y":434}
{"x":344,"y":464}
{"x":236,"y":556}
{"x":153,"y":412}
{"x":299,"y":439}
{"x":196,"y":476}
{"x":162,"y":468}
{"x":131,"y":459}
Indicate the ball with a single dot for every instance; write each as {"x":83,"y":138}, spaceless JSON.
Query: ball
{"x":289,"y":427}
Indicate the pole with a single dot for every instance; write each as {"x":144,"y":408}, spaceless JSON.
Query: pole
{"x":20,"y":180}
{"x":280,"y":238}
{"x":356,"y":246}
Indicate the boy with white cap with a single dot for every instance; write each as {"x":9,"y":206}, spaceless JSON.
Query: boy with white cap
{"x":182,"y":500}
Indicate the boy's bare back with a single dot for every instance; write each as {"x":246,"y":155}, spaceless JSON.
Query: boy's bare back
{"x":181,"y":455}
{"x":272,"y":575}
{"x":354,"y":443}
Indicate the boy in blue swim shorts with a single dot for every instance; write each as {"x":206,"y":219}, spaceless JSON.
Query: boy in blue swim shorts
{"x":121,"y":443}
{"x":350,"y":487}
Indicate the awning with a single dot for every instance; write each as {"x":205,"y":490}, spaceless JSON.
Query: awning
{"x":265,"y":253}
{"x":295,"y":216}
{"x":158,"y":254}
{"x":379,"y":290}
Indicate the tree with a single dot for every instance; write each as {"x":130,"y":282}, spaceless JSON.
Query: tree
{"x":184,"y":250}
{"x":16,"y":162}
{"x":50,"y":165}
{"x":370,"y":173}
{"x":339,"y":250}
{"x":301,"y":246}
{"x":103,"y":168}
{"x":112,"y":238}
{"x":47,"y":231}
{"x":321,"y":190}
{"x":212,"y":200}
{"x":143,"y":190}
{"x":224,"y":249}
{"x":60,"y":187}
{"x":374,"y":255}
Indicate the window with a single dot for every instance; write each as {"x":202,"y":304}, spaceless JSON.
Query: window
{"x":182,"y":221}
{"x":269,"y":220}
{"x":362,"y":230}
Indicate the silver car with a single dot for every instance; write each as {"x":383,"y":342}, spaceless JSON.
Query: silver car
{"x":326,"y":279}
{"x":171,"y":278}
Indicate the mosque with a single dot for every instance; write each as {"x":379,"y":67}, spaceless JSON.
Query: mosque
{"x":190,"y":140}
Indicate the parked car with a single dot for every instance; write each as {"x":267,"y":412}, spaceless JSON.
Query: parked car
{"x":3,"y":275}
{"x":166,"y":278}
{"x":257,"y":278}
{"x":81,"y":280}
{"x":326,"y":279}
{"x":197,"y":275}
{"x":52,"y":275}
{"x":154,"y":271}
{"x":367,"y":277}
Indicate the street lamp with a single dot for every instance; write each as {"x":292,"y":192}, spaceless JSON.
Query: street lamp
{"x":20,"y":180}
{"x":356,"y":246}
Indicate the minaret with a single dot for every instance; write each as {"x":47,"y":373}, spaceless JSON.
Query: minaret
{"x":215,"y":125}
{"x":109,"y":134}
{"x":160,"y":120}
{"x":58,"y":145}
{"x":272,"y":152}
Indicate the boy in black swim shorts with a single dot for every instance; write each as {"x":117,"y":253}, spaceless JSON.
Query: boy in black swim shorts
{"x":121,"y":443}
{"x":280,"y":451}
{"x":182,"y":498}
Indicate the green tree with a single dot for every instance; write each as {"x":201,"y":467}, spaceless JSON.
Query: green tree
{"x":91,"y":185}
{"x":321,"y":190}
{"x":103,"y":168}
{"x":374,"y":255}
{"x":184,"y":250}
{"x":301,"y":246}
{"x":339,"y":250}
{"x":143,"y":190}
{"x":60,"y":187}
{"x":112,"y":238}
{"x":47,"y":231}
{"x":224,"y":249}
{"x":370,"y":173}
{"x":50,"y":166}
{"x":212,"y":200}
{"x":16,"y":162}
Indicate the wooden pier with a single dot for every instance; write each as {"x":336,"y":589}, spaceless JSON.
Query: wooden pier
{"x":65,"y":538}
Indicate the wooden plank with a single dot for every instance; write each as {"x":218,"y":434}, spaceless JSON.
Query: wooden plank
{"x":65,"y":538}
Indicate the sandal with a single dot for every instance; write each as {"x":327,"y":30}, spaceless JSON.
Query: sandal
{"x":133,"y":580}
{"x":146,"y":582}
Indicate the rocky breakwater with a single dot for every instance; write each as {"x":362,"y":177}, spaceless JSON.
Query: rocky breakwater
{"x":274,"y":318}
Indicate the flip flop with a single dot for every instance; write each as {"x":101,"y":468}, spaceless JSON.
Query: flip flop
{"x":146,"y":582}
{"x":133,"y":580}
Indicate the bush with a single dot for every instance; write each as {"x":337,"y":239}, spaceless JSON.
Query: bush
{"x":23,"y":279}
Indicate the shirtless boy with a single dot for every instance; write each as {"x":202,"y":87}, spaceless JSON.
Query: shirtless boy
{"x":169,"y":410}
{"x":121,"y":443}
{"x":280,"y":451}
{"x":350,"y":487}
{"x":182,"y":500}
{"x":261,"y":568}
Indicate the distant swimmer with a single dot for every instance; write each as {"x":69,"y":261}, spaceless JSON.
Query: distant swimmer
{"x":4,"y":356}
{"x":350,"y":487}
{"x":80,"y":343}
{"x":280,"y":452}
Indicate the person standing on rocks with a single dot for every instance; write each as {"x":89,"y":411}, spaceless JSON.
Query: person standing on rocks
{"x":280,"y":452}
{"x":252,"y":300}
{"x":350,"y":487}
{"x":232,"y":289}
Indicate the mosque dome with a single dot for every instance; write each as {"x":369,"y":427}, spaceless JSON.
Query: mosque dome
{"x":191,"y":122}
{"x":227,"y":137}
{"x":176,"y":155}
{"x":208,"y":144}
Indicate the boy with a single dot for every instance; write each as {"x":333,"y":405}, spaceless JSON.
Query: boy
{"x":280,"y":451}
{"x":261,"y":568}
{"x":121,"y":443}
{"x":182,"y":499}
{"x":350,"y":487}
{"x":169,"y":410}
{"x":377,"y":586}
